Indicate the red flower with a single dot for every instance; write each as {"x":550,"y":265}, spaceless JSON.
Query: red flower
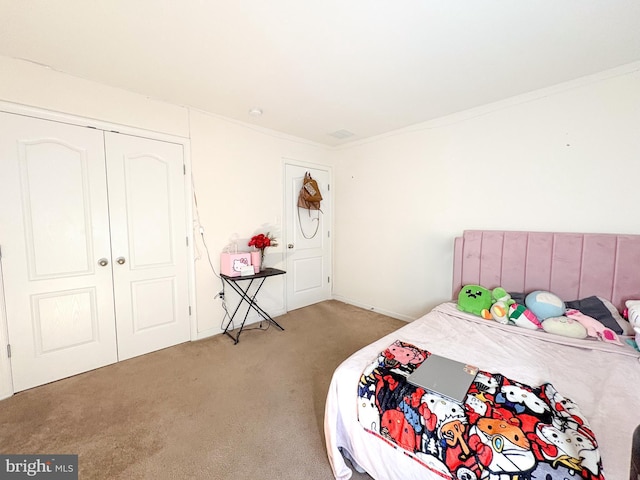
{"x":262,"y":241}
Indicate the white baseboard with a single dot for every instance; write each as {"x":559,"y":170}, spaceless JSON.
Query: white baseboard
{"x":373,"y":308}
{"x":251,"y":319}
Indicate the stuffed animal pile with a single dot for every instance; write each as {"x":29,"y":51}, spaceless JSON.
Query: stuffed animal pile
{"x":540,"y":310}
{"x":632,"y":313}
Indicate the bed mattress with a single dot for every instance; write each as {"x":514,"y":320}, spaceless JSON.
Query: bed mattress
{"x":601,"y":378}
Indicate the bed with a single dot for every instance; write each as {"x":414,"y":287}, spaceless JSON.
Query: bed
{"x":599,"y":379}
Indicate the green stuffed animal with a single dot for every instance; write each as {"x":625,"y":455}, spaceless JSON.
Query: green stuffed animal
{"x":501,"y":303}
{"x":475,"y":299}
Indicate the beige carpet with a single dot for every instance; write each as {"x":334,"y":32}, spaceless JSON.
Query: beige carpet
{"x":201,"y":410}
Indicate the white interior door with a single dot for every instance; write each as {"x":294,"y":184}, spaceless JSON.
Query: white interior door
{"x":54,"y":233}
{"x":308,"y":242}
{"x":149,"y":243}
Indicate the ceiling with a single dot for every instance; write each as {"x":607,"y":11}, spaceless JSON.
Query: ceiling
{"x":315,"y":68}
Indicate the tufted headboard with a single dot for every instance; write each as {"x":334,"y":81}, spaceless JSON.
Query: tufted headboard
{"x":571,"y":265}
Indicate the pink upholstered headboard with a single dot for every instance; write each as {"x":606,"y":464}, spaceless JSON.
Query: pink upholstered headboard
{"x":571,"y":265}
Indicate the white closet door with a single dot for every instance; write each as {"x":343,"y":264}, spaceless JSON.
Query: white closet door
{"x":54,"y":230}
{"x":148,"y":236}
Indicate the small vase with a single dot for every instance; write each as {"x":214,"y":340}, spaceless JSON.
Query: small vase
{"x":262,"y":265}
{"x":256,"y":261}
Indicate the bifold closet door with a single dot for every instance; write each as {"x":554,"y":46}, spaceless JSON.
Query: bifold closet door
{"x":54,"y":233}
{"x":94,"y":247}
{"x":149,"y":243}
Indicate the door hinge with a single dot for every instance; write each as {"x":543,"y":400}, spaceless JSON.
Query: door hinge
{"x":184,"y":169}
{"x":9,"y":350}
{"x":187,"y":241}
{"x":189,"y":310}
{"x":328,"y":187}
{"x":328,"y":234}
{"x":328,"y":279}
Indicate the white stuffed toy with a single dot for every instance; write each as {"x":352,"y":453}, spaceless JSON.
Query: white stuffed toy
{"x":633,"y":313}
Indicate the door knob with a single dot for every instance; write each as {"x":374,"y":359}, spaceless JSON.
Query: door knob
{"x":290,"y":245}
{"x":103,"y":262}
{"x":120,"y":260}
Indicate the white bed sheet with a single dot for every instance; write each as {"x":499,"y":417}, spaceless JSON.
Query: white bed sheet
{"x":604,"y":384}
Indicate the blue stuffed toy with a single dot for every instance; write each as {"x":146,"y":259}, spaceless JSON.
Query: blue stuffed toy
{"x":544,"y":304}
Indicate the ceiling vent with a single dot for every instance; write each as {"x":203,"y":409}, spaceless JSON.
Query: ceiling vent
{"x":342,"y":134}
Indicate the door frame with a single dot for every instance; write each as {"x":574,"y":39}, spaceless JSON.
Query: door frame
{"x":288,"y":235}
{"x":6,"y":381}
{"x":6,"y":376}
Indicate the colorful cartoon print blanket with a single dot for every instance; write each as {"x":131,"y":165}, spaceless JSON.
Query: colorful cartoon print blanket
{"x":504,"y":430}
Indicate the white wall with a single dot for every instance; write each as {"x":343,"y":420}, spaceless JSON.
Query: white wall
{"x":237,"y":169}
{"x":238,"y":177}
{"x":29,"y":84}
{"x":562,"y":159}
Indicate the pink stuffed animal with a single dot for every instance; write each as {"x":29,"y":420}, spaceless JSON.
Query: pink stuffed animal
{"x":593,"y":326}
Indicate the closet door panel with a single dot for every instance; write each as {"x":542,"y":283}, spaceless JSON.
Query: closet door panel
{"x":55,"y":230}
{"x":149,"y":230}
{"x":52,"y":169}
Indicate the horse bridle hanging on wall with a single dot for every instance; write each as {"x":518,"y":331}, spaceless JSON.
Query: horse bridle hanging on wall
{"x":309,"y":198}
